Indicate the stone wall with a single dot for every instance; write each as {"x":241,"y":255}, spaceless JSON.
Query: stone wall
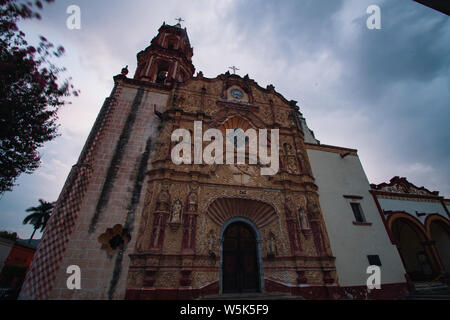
{"x":113,"y":196}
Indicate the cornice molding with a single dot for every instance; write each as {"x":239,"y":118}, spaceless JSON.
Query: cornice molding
{"x":401,"y":186}
{"x":329,"y":148}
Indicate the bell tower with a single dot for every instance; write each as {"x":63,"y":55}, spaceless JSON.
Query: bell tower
{"x":168,"y":59}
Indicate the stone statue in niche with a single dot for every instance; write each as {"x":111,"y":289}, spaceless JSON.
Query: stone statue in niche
{"x":304,"y":221}
{"x":193,"y":202}
{"x":177,"y":210}
{"x":193,"y":199}
{"x":271,"y":245}
{"x":288,"y":149}
{"x":163,"y":199}
{"x":211,"y":241}
{"x":212,"y":244}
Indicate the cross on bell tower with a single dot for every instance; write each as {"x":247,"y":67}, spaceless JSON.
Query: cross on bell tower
{"x":234,"y":69}
{"x":179,"y":19}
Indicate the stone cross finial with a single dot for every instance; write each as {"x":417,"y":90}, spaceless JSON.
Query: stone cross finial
{"x":234,"y":69}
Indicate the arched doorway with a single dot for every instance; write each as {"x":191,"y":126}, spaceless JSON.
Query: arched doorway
{"x":440,"y":233}
{"x":256,"y":214}
{"x":240,"y":257}
{"x":410,"y":241}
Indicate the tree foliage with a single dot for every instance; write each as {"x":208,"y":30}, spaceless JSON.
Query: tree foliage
{"x":39,"y":215}
{"x":31,"y":92}
{"x":8,"y":235}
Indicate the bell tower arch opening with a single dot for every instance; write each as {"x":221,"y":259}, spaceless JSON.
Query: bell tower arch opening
{"x":162,"y":72}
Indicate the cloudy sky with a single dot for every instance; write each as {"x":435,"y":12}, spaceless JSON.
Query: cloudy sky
{"x":384,"y":92}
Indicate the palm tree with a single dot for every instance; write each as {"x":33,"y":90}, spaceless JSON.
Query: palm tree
{"x":39,"y":215}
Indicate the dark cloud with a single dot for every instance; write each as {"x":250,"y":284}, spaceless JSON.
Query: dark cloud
{"x":299,"y":25}
{"x":384,"y":92}
{"x":413,"y":45}
{"x":396,"y":77}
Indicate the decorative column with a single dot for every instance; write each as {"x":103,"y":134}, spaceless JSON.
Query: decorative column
{"x":190,"y":222}
{"x":160,"y":219}
{"x":316,"y":226}
{"x":293,"y":227}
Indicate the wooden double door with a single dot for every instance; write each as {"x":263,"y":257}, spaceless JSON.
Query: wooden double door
{"x":239,"y":266}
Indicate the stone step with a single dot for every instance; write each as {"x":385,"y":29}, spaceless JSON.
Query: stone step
{"x":433,"y":290}
{"x":430,"y":291}
{"x":427,"y":285}
{"x":428,"y":297}
{"x":251,"y":296}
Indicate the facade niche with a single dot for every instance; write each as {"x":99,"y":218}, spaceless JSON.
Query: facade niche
{"x":271,"y":246}
{"x":176,"y":214}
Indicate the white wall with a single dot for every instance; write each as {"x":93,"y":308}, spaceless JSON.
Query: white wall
{"x":335,"y":177}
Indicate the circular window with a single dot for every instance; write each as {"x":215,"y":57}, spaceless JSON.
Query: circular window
{"x":236,"y":93}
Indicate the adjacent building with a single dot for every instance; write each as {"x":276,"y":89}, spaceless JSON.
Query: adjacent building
{"x":417,"y":222}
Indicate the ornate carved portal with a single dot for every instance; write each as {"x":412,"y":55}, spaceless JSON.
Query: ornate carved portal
{"x":182,"y":226}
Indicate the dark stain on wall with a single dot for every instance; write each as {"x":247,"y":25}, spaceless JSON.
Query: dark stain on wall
{"x":137,"y":188}
{"x":131,"y":214}
{"x":113,"y":168}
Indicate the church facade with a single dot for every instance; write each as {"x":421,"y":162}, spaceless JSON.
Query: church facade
{"x":139,"y":226}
